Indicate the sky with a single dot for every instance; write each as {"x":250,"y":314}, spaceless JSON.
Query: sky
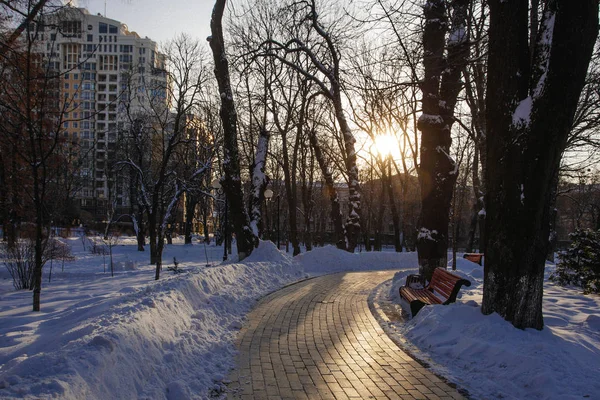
{"x":160,"y":20}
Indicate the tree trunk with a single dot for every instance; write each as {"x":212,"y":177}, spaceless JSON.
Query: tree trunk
{"x":232,"y":182}
{"x":290,"y":194}
{"x":153,"y":238}
{"x":393,"y":208}
{"x":259,"y":183}
{"x":336,"y":215}
{"x":160,"y":245}
{"x":190,"y":211}
{"x":529,"y":118}
{"x":352,"y":225}
{"x":437,"y":171}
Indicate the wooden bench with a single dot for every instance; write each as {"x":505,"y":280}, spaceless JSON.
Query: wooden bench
{"x":474,"y":257}
{"x":442,"y":289}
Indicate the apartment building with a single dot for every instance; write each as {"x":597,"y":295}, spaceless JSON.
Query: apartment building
{"x":108,"y":75}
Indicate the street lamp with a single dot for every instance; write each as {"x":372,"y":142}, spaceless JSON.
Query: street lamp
{"x":268,"y":196}
{"x":219,"y":189}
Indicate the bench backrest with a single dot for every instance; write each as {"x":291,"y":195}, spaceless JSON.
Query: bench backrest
{"x":473,"y":257}
{"x":445,"y":284}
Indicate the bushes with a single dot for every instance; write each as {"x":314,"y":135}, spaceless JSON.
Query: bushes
{"x":580,"y":264}
{"x":19,"y":259}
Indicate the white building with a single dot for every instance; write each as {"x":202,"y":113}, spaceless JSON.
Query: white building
{"x":108,"y":74}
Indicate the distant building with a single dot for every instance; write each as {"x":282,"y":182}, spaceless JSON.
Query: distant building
{"x":108,"y":74}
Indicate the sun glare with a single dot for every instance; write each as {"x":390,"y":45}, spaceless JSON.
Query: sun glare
{"x":386,"y":145}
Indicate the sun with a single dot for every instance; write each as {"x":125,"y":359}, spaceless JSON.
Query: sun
{"x":386,"y":145}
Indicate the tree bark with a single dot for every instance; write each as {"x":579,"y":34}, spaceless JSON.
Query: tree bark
{"x":259,"y":183}
{"x":232,"y":183}
{"x":336,"y":215}
{"x":393,"y":208}
{"x":529,"y":118}
{"x":190,"y":212}
{"x":441,"y":85}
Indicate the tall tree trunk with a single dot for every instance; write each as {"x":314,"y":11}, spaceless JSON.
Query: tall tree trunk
{"x":191,"y":202}
{"x":152,"y":233}
{"x":380,"y":214}
{"x":259,"y":183}
{"x":336,"y":215}
{"x":232,"y":182}
{"x":290,"y":193}
{"x":393,"y":208}
{"x":160,"y":245}
{"x":529,"y":118}
{"x":352,"y":225}
{"x":437,"y":171}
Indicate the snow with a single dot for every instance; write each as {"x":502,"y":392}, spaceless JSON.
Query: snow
{"x":426,"y":234}
{"x":129,"y":336}
{"x":491,"y":359}
{"x":522,"y":114}
{"x":430,"y":119}
{"x":457,"y":36}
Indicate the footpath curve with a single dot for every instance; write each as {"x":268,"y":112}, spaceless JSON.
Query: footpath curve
{"x":319,"y":340}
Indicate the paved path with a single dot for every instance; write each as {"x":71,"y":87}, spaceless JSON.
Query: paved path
{"x":318,"y":340}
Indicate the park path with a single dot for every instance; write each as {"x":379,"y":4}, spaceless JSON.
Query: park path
{"x":319,"y":340}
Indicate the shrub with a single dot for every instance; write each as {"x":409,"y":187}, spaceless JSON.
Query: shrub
{"x":580,"y":264}
{"x":19,"y":261}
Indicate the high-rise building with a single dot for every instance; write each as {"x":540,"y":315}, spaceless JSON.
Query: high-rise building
{"x":108,"y":74}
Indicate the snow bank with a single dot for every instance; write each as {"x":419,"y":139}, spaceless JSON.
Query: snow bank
{"x":329,"y":259}
{"x":492,"y":359}
{"x":169,"y":339}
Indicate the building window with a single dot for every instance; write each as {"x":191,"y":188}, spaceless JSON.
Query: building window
{"x":90,"y":38}
{"x":103,"y":28}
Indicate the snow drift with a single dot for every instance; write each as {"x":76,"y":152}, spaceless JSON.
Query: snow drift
{"x":170,"y":339}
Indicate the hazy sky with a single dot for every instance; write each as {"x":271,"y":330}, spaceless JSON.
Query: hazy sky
{"x":160,"y":20}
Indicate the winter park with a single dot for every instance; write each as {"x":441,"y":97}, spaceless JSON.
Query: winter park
{"x":299,"y":199}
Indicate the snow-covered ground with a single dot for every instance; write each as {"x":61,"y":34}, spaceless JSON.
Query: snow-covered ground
{"x":493,"y":360}
{"x":128,"y":336}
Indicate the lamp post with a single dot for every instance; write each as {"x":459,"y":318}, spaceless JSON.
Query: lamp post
{"x":278,"y":222}
{"x":268,"y":196}
{"x":219,"y":189}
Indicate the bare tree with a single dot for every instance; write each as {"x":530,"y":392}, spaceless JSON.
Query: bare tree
{"x":231,"y":181}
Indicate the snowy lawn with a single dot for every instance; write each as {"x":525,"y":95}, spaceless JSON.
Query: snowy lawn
{"x":128,"y":336}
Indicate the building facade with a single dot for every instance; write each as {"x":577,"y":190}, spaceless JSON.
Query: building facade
{"x":109,"y":77}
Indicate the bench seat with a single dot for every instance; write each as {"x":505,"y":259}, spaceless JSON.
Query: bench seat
{"x":442,"y":289}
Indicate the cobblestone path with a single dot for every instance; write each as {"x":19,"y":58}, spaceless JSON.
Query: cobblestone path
{"x":319,"y":340}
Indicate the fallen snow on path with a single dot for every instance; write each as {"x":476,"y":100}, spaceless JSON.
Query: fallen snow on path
{"x":492,"y":360}
{"x":130,"y":337}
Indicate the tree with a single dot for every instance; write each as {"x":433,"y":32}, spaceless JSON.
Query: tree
{"x":443,"y":62}
{"x":159,"y":133}
{"x":535,"y":89}
{"x":231,"y":181}
{"x":320,"y":63}
{"x":32,"y":121}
